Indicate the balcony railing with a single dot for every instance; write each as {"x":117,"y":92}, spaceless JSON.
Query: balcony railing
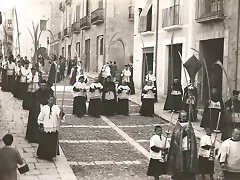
{"x":67,"y":32}
{"x":97,"y":16}
{"x":209,"y":10}
{"x":171,"y":18}
{"x":131,"y":13}
{"x":85,"y":23}
{"x":76,"y":27}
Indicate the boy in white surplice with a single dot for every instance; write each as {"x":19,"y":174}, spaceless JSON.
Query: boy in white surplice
{"x":49,"y":123}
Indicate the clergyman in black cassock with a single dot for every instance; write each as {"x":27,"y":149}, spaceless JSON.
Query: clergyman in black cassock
{"x":80,"y":96}
{"x":39,"y":99}
{"x":95,"y":103}
{"x":4,"y":74}
{"x":174,"y":97}
{"x":148,"y":100}
{"x":232,"y":115}
{"x":109,"y":97}
{"x":215,"y":105}
{"x":17,"y":84}
{"x":10,"y":75}
{"x":52,"y":74}
{"x":123,"y":102}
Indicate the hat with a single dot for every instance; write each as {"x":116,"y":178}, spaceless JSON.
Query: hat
{"x":235,"y":92}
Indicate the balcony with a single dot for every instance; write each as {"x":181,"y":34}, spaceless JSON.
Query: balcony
{"x":171,"y":18}
{"x":97,"y":16}
{"x":76,"y":28}
{"x":61,"y":6}
{"x":85,"y":23}
{"x":131,"y":13}
{"x":208,"y":11}
{"x":67,"y":32}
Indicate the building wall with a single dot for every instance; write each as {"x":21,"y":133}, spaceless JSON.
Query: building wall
{"x":117,"y":29}
{"x":148,"y":39}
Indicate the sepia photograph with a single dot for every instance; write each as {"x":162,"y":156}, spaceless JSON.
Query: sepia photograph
{"x":119,"y":89}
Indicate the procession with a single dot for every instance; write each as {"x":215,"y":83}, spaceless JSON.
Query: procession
{"x":140,"y":89}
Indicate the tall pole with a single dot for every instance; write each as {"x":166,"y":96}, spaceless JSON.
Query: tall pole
{"x":18,"y":34}
{"x":105,"y":33}
{"x":236,"y":50}
{"x":156,"y":41}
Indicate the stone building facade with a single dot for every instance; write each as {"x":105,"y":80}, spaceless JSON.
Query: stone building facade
{"x":96,"y":32}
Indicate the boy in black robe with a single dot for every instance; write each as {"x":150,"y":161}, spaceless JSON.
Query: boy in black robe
{"x":214,"y":108}
{"x":40,"y":98}
{"x":109,"y":97}
{"x":174,"y":97}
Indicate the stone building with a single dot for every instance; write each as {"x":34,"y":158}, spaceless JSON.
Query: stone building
{"x":96,"y":31}
{"x":209,"y":26}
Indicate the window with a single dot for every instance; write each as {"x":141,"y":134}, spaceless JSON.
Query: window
{"x":63,"y":52}
{"x":101,"y":46}
{"x":43,"y":24}
{"x":149,"y":19}
{"x":70,"y":19}
{"x":78,"y":48}
{"x":69,"y":51}
{"x":9,"y":24}
{"x":78,"y":13}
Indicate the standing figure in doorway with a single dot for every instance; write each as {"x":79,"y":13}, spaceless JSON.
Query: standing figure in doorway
{"x":125,"y":75}
{"x":174,"y":97}
{"x":79,"y":93}
{"x":151,"y":77}
{"x":148,"y":99}
{"x":109,"y":97}
{"x":132,"y":87}
{"x":114,"y":71}
{"x":214,"y":110}
{"x":95,"y":103}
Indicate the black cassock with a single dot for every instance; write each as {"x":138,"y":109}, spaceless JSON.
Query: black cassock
{"x":52,"y":74}
{"x":147,"y":108}
{"x":231,"y":121}
{"x":17,"y":87}
{"x":79,"y":104}
{"x":215,"y":106}
{"x":131,"y":84}
{"x":39,"y":98}
{"x":95,"y":104}
{"x":173,"y":101}
{"x":4,"y":80}
{"x":109,"y":105}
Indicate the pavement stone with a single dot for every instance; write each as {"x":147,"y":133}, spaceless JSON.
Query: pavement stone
{"x":13,"y":120}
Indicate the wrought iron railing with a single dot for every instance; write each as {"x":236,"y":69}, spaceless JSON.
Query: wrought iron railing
{"x":171,"y":16}
{"x":208,"y":8}
{"x":75,"y":27}
{"x":85,"y":22}
{"x":97,"y":15}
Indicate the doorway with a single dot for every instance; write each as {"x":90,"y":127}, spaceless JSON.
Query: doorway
{"x":87,"y":52}
{"x":212,"y":51}
{"x":174,"y":63}
{"x":63,"y":52}
{"x":147,"y":63}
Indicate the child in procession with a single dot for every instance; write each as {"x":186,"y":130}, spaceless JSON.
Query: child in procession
{"x":95,"y":102}
{"x":158,"y":150}
{"x":79,"y":93}
{"x":205,"y":164}
{"x":148,"y":100}
{"x":123,"y":95}
{"x":49,"y":123}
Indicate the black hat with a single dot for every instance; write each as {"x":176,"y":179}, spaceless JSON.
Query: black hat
{"x":235,"y":93}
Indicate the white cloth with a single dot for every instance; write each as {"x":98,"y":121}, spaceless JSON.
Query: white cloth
{"x":176,"y":93}
{"x":109,"y":95}
{"x":18,"y":70}
{"x":125,"y":92}
{"x":25,"y":72}
{"x":106,"y":71}
{"x":150,"y":94}
{"x":33,"y":82}
{"x":10,"y":68}
{"x":4,"y":64}
{"x":50,"y":121}
{"x":126,"y":74}
{"x":85,"y":77}
{"x":82,"y":87}
{"x":214,"y":105}
{"x":150,"y":77}
{"x":160,"y":143}
{"x":229,"y":154}
{"x":96,"y":94}
{"x":205,"y":140}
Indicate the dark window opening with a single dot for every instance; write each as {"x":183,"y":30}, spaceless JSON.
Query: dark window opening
{"x":149,"y":19}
